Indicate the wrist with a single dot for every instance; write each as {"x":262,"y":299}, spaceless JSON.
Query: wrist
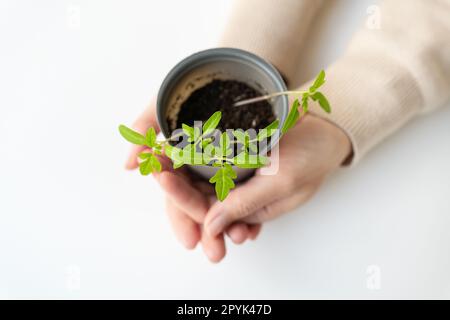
{"x":337,"y":140}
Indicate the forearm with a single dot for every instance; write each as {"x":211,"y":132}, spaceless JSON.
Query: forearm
{"x":390,"y":75}
{"x":272,"y":29}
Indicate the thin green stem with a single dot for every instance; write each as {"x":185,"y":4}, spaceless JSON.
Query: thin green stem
{"x":267,"y":96}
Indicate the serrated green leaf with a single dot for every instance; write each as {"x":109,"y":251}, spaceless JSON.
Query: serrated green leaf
{"x":323,"y":102}
{"x":212,"y":122}
{"x":268,"y":131}
{"x":223,"y":182}
{"x":292,"y":117}
{"x":131,"y":135}
{"x":318,"y":82}
{"x":230,"y":171}
{"x":150,"y":137}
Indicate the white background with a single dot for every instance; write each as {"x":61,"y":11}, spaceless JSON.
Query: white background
{"x":75,"y":224}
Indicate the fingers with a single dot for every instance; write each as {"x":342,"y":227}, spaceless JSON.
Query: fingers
{"x":189,"y":233}
{"x":186,"y":230}
{"x":214,"y":247}
{"x":184,"y":196}
{"x":254,"y":230}
{"x":278,"y":207}
{"x":238,"y":232}
{"x":205,"y":188}
{"x":241,"y":202}
{"x":146,"y":120}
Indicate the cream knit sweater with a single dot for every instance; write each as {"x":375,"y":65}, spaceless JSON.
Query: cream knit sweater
{"x":386,"y":76}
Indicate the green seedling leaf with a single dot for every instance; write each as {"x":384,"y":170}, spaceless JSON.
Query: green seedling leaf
{"x":217,"y":164}
{"x":323,"y":102}
{"x":224,"y":140}
{"x":240,"y":135}
{"x":292,"y":117}
{"x":175,"y":154}
{"x":131,"y":135}
{"x":230,"y":171}
{"x":189,"y":131}
{"x":149,"y":165}
{"x":145,"y":167}
{"x":150,"y":137}
{"x":218,"y":152}
{"x":207,"y":158}
{"x":253,"y":146}
{"x":250,"y":161}
{"x":268,"y":131}
{"x":154,"y":162}
{"x":305,"y":103}
{"x":320,"y":80}
{"x":157,"y":149}
{"x":223,"y":180}
{"x":197,"y":133}
{"x":177,"y":165}
{"x":212,"y":122}
{"x":209,"y":151}
{"x":144,"y":155}
{"x":206,"y":142}
{"x":191,"y":156}
{"x":224,"y":144}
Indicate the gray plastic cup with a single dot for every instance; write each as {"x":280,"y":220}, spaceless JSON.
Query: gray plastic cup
{"x":205,"y":66}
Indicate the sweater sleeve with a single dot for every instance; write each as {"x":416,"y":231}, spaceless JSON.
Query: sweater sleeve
{"x":391,"y":74}
{"x":272,"y":29}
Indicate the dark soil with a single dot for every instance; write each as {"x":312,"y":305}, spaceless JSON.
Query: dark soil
{"x":220,"y":95}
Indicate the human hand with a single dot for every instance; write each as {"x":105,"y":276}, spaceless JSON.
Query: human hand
{"x":188,"y":200}
{"x":307,"y":154}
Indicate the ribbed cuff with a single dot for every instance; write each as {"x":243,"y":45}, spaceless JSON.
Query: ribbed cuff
{"x":371,"y":96}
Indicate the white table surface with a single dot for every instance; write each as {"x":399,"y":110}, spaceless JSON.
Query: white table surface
{"x":74,"y":224}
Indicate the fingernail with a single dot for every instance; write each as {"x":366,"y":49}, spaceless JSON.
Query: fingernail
{"x":212,"y":255}
{"x":217,"y":225}
{"x":188,"y":244}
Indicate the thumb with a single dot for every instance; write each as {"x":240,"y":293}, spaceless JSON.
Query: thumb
{"x":243,"y":201}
